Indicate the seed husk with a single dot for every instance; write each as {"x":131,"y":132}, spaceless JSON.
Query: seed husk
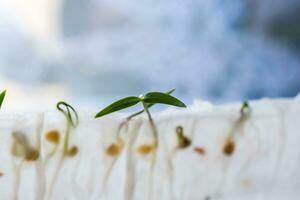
{"x":32,"y":155}
{"x":72,"y":151}
{"x":145,"y":149}
{"x":183,"y":141}
{"x":229,"y":147}
{"x":113,"y":149}
{"x":53,"y":136}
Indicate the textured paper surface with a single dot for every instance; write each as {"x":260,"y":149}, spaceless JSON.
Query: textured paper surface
{"x":264,"y":165}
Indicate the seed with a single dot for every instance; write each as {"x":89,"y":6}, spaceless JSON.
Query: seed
{"x":1,"y":174}
{"x":200,"y":150}
{"x":229,"y":147}
{"x":184,"y":142}
{"x":73,"y":151}
{"x":113,"y":150}
{"x":145,"y":149}
{"x":53,"y":136}
{"x":19,"y":146}
{"x":32,"y":155}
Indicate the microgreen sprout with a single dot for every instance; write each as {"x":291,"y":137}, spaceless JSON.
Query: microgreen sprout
{"x":147,"y":100}
{"x":245,"y":111}
{"x":2,"y":96}
{"x":183,"y":142}
{"x":72,"y":121}
{"x":115,"y":149}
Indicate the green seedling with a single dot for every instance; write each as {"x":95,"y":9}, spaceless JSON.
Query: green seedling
{"x":147,"y":100}
{"x":115,"y":148}
{"x":72,"y":121}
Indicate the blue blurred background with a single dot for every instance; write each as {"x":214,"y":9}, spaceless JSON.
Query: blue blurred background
{"x":94,"y":51}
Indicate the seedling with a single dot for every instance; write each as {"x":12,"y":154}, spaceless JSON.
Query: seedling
{"x":183,"y":142}
{"x":72,"y":121}
{"x":22,"y":150}
{"x":229,"y":146}
{"x":147,"y":101}
{"x":2,"y":96}
{"x":116,"y":148}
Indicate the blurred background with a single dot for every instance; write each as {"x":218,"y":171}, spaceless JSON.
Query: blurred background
{"x":91,"y":52}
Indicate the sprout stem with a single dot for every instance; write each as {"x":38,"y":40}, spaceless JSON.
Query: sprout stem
{"x":70,"y":123}
{"x":153,"y":127}
{"x":153,"y":159}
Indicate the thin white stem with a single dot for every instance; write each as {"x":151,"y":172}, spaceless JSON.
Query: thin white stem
{"x":55,"y":176}
{"x":17,"y":180}
{"x":153,"y":158}
{"x":60,"y":162}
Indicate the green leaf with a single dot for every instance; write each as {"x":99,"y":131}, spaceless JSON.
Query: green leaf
{"x":162,"y":98}
{"x":148,"y":106}
{"x":2,"y":96}
{"x":168,"y":92}
{"x":119,"y":105}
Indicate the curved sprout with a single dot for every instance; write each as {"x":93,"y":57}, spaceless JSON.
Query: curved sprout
{"x":68,"y":114}
{"x":70,"y":121}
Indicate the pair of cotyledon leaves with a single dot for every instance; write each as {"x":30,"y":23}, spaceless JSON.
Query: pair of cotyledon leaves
{"x":148,"y":100}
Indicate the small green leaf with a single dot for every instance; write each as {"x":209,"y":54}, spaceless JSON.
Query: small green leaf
{"x":119,"y":105}
{"x":2,"y":96}
{"x":162,"y":98}
{"x":168,"y":92}
{"x":148,"y":106}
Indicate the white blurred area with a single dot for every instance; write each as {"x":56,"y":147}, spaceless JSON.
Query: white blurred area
{"x":93,"y":51}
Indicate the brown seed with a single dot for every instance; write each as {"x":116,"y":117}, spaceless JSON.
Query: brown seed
{"x":184,"y":142}
{"x":53,"y":136}
{"x":145,"y":149}
{"x":32,"y":155}
{"x":200,"y":150}
{"x":113,"y":149}
{"x":229,"y":147}
{"x":73,"y":151}
{"x":1,"y":174}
